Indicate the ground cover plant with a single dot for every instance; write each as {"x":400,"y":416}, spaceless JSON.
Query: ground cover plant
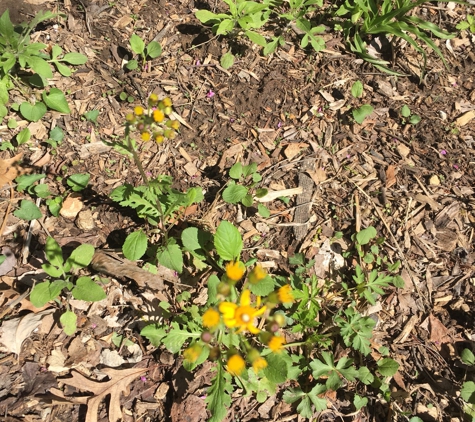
{"x":143,"y":277}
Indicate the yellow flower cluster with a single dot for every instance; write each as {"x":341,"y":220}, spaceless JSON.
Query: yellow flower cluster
{"x":152,"y":123}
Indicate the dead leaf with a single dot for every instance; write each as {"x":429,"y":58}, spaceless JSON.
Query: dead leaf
{"x":15,"y":331}
{"x":294,"y":149}
{"x":9,"y":169}
{"x":390,"y":176}
{"x":118,"y":384}
{"x":318,"y":176}
{"x":465,"y":118}
{"x":438,"y":332}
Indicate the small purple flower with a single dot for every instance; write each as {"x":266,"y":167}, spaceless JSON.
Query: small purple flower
{"x":93,"y":326}
{"x":279,"y":125}
{"x":443,"y":152}
{"x":348,"y":156}
{"x":456,"y":167}
{"x":198,"y":63}
{"x":143,"y":379}
{"x":210,"y":94}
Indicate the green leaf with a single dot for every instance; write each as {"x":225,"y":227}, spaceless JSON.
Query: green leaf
{"x":219,"y":395}
{"x":247,"y":201}
{"x":154,"y":49}
{"x":42,"y":293}
{"x":212,"y":284}
{"x":365,"y":375}
{"x":12,"y":124}
{"x":235,"y":171}
{"x":256,"y":38}
{"x":227,"y":60}
{"x":42,"y":190}
{"x":27,"y":180}
{"x":153,"y":333}
{"x":414,"y":119}
{"x":87,"y":290}
{"x":357,"y":89}
{"x":119,"y":340}
{"x":388,"y":367}
{"x":6,"y":26}
{"x":364,"y":236}
{"x":3,"y":92}
{"x":91,"y":116}
{"x":228,"y":241}
{"x":68,"y":321}
{"x":28,"y":211}
{"x":170,"y":256}
{"x":263,"y":287}
{"x":360,"y":402}
{"x":132,"y":65}
{"x":74,"y":58}
{"x":276,"y":370}
{"x":81,"y":257}
{"x":360,"y":113}
{"x":135,"y":245}
{"x":205,"y":16}
{"x":177,"y":337}
{"x":78,"y":181}
{"x":225,"y":26}
{"x":263,"y":211}
{"x":468,"y":392}
{"x":468,"y":358}
{"x":63,"y":69}
{"x":40,"y":66}
{"x":137,"y":44}
{"x":54,"y":205}
{"x":33,"y":113}
{"x":24,"y":136}
{"x":405,"y":111}
{"x":56,"y":100}
{"x":234,"y":193}
{"x":53,"y":252}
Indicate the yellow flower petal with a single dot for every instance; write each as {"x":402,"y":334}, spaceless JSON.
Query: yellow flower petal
{"x":235,"y":270}
{"x":211,"y":318}
{"x":285,"y":294}
{"x":138,"y":111}
{"x":236,"y":365}
{"x":276,"y":344}
{"x":258,"y":364}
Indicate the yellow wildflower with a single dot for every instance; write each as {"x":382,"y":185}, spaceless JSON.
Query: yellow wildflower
{"x":285,"y":294}
{"x":158,"y":116}
{"x":276,"y":344}
{"x":257,"y":274}
{"x":258,"y":364}
{"x":242,"y":316}
{"x":236,"y":365}
{"x":138,"y":111}
{"x":130,"y":118}
{"x":175,"y":124}
{"x":211,"y":318}
{"x":153,"y":99}
{"x":192,"y":353}
{"x":167,"y":102}
{"x":145,"y":136}
{"x":159,"y":139}
{"x":235,"y":270}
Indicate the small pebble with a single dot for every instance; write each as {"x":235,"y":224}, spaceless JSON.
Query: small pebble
{"x":85,"y":221}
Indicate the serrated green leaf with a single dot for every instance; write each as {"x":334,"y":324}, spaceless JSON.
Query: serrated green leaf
{"x":81,"y":257}
{"x":360,"y":113}
{"x":171,"y":257}
{"x":28,"y":211}
{"x":276,"y":370}
{"x":365,"y":375}
{"x":235,"y":171}
{"x":42,"y":293}
{"x":228,"y":241}
{"x":153,"y":333}
{"x":218,"y":397}
{"x":247,"y":201}
{"x":212,"y":284}
{"x":263,"y":287}
{"x":177,"y":337}
{"x":87,"y":290}
{"x":135,"y":245}
{"x":388,"y":367}
{"x":68,"y":321}
{"x":56,"y":100}
{"x":227,"y":60}
{"x":234,"y":193}
{"x":360,"y":402}
{"x":40,"y":66}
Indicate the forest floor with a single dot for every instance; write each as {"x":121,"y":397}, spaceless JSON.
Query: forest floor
{"x":291,"y":113}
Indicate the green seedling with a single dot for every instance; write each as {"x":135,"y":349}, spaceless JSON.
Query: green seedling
{"x":241,"y":188}
{"x":64,"y":278}
{"x":468,"y":24}
{"x":362,"y":19}
{"x":360,"y":113}
{"x":18,"y":53}
{"x":408,"y":117}
{"x":91,"y":116}
{"x":123,"y":96}
{"x":151,"y":51}
{"x":56,"y":136}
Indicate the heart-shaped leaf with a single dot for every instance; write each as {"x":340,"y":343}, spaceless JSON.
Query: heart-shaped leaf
{"x":56,"y":100}
{"x":31,"y":112}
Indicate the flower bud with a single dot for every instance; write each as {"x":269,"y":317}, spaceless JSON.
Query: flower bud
{"x":206,"y":337}
{"x":224,"y":289}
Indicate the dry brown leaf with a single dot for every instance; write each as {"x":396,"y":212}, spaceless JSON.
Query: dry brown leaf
{"x":390,"y":176}
{"x":294,"y":149}
{"x":318,"y":176}
{"x":9,"y":169}
{"x":118,"y":384}
{"x":15,"y":331}
{"x":465,"y":118}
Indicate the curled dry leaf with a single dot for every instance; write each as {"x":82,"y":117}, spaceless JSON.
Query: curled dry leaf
{"x":15,"y":331}
{"x":9,"y":169}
